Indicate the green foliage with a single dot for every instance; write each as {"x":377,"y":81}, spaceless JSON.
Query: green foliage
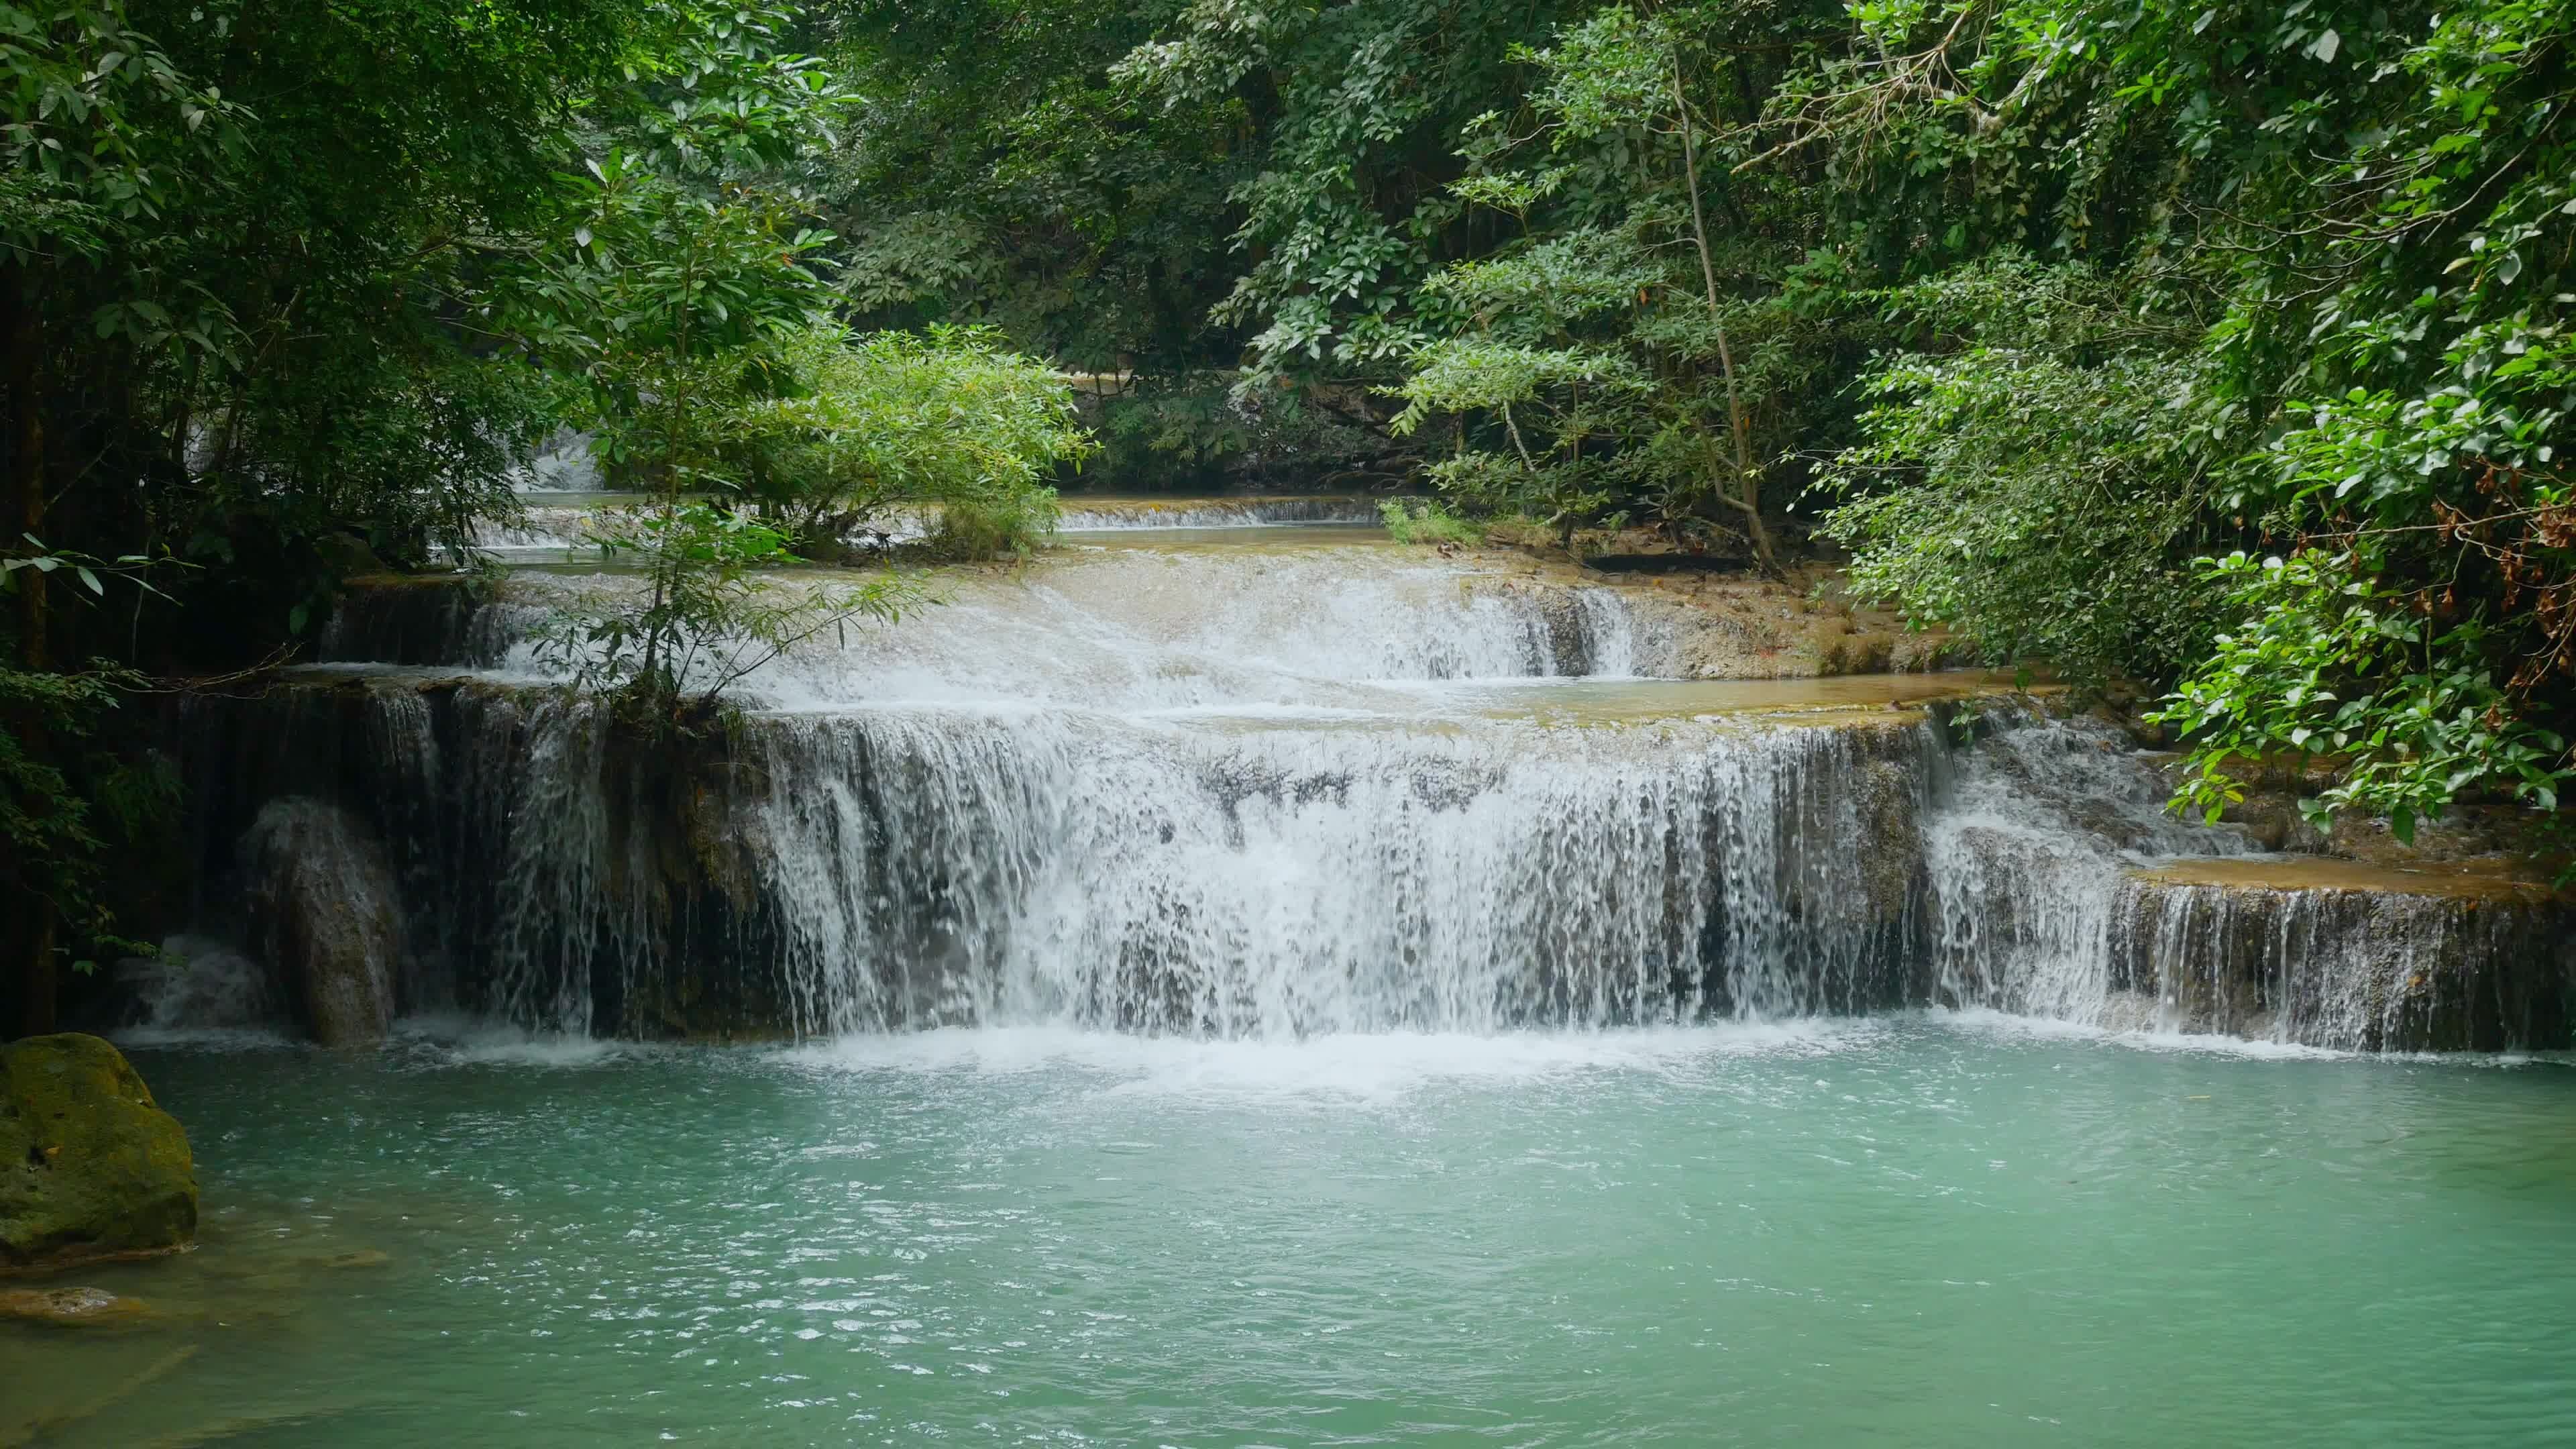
{"x":1422,"y":520}
{"x":1592,"y":353}
{"x":868,"y":425}
{"x":48,"y":819}
{"x":38,"y":561}
{"x":2345,"y":238}
{"x":688,"y":302}
{"x":817,"y":433}
{"x":1357,"y":107}
{"x":235,"y":300}
{"x":1009,"y":526}
{"x":1196,"y":430}
{"x":1176,"y":431}
{"x":1002,"y":174}
{"x":66,"y":799}
{"x":101,"y":132}
{"x":2032,"y":490}
{"x":2328,"y":663}
{"x":689,"y":266}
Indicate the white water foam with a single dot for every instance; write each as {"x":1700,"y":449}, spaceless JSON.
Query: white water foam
{"x":440,"y":1040}
{"x":2026,"y":855}
{"x":1352,"y":1066}
{"x":1100,"y":515}
{"x":201,"y":992}
{"x":1275,"y":882}
{"x":1985,"y":1021}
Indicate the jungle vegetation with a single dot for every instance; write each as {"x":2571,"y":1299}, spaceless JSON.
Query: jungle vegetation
{"x":2222,"y":347}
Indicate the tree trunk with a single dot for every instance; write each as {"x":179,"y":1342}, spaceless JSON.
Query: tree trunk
{"x":26,"y":455}
{"x":41,"y":986}
{"x":33,"y":945}
{"x":1746,"y":495}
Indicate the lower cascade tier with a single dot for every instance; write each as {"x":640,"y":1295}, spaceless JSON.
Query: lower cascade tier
{"x":505,"y":852}
{"x":2343,"y":954}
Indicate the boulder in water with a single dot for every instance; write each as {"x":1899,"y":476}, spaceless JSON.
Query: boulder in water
{"x":90,"y":1167}
{"x":323,"y":913}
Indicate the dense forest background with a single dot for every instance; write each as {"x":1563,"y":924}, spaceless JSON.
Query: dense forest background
{"x":2219,"y":347}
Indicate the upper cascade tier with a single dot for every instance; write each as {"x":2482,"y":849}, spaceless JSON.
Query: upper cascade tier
{"x":1326,"y":617}
{"x":1276,"y":618}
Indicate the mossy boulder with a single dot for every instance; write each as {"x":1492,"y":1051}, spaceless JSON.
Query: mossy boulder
{"x":90,"y":1167}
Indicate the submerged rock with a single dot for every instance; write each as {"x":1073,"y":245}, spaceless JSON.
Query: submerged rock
{"x":90,"y":1168}
{"x":323,"y":911}
{"x":70,"y":1307}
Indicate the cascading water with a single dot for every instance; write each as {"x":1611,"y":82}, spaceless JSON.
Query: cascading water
{"x":199,"y":985}
{"x":941,"y":867}
{"x":1282,"y":619}
{"x":2027,"y":856}
{"x":1105,"y":515}
{"x":1303,"y":785}
{"x":2343,"y":955}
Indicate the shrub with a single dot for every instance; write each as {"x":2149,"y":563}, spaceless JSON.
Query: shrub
{"x":1422,"y":520}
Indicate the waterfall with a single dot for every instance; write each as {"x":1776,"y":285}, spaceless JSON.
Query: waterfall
{"x":2027,"y":857}
{"x":1266,"y":791}
{"x":1610,"y":643}
{"x":1271,"y":881}
{"x":873,"y":869}
{"x":2348,"y":956}
{"x":1123,"y":628}
{"x":1100,"y":515}
{"x":198,"y":985}
{"x":553,"y":520}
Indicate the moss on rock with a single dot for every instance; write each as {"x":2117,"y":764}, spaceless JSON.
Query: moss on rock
{"x":90,"y":1167}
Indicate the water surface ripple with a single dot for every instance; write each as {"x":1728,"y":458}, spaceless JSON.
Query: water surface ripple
{"x":1944,"y":1231}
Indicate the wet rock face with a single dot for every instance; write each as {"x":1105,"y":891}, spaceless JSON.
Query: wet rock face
{"x":324,"y":913}
{"x":90,"y":1167}
{"x":401,"y":619}
{"x":1889,"y":800}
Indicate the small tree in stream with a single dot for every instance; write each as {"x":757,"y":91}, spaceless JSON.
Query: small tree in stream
{"x":870,"y":426}
{"x":688,"y":271}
